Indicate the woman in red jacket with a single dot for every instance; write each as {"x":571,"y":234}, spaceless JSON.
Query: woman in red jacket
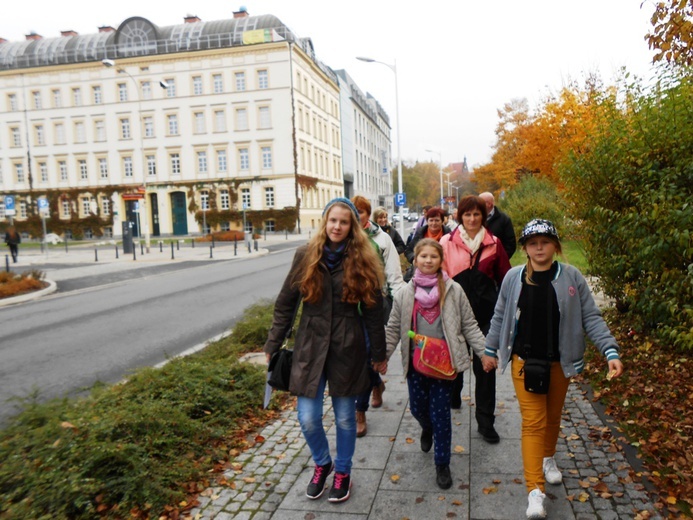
{"x":476,"y":260}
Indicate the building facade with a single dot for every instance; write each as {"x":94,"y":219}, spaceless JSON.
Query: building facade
{"x":366,"y":145}
{"x":164,"y":128}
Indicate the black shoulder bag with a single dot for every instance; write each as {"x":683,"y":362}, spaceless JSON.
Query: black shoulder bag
{"x":279,"y":368}
{"x":538,"y":371}
{"x":481,"y":291}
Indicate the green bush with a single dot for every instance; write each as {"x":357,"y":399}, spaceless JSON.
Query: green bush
{"x":137,"y":446}
{"x":632,"y":187}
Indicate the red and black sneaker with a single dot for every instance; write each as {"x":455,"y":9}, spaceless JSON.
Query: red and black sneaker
{"x":317,"y":484}
{"x":341,"y":487}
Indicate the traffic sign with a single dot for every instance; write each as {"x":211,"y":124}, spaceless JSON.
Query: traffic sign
{"x":10,"y":210}
{"x":400,"y":199}
{"x":42,"y":203}
{"x":442,"y":201}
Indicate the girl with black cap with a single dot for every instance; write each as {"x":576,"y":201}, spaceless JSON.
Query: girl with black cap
{"x":543,"y":312}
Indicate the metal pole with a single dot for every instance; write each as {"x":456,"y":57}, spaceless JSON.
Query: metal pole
{"x":7,"y":263}
{"x":116,"y":251}
{"x":177,"y":245}
{"x":172,"y":251}
{"x":141,"y":249}
{"x":161,"y":246}
{"x":66,"y":242}
{"x":134,"y":253}
{"x":235,"y":247}
{"x":210,"y":251}
{"x":96,"y":254}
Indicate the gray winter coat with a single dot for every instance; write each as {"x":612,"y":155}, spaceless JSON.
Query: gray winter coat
{"x":330,"y":336}
{"x":459,"y":325}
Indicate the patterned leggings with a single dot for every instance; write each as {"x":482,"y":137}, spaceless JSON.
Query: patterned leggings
{"x":429,"y":402}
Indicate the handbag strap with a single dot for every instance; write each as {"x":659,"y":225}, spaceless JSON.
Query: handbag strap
{"x":290,"y":332}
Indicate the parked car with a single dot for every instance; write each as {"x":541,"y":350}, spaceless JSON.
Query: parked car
{"x":52,"y":238}
{"x":395,"y":217}
{"x":413,"y":216}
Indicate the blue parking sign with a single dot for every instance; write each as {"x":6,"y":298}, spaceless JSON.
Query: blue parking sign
{"x":9,"y":205}
{"x":400,"y":199}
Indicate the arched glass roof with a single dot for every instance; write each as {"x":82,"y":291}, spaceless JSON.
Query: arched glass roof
{"x":138,"y":36}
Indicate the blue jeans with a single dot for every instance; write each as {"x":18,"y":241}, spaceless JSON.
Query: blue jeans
{"x":310,"y":412}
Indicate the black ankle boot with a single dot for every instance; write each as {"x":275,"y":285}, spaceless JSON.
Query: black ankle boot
{"x":426,"y":440}
{"x":443,"y":477}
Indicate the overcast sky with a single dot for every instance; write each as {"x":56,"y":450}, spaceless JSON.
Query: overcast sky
{"x":458,"y":61}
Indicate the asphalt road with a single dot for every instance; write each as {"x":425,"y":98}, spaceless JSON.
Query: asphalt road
{"x":89,"y":332}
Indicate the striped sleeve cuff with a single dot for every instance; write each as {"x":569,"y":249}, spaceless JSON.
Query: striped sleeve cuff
{"x":611,"y":353}
{"x":491,"y":352}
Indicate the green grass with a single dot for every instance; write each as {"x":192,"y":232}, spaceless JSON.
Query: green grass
{"x":572,"y":251}
{"x":138,"y":446}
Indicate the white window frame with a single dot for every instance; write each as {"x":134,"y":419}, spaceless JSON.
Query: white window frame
{"x":242,"y":119}
{"x":197,"y":86}
{"x":128,"y":171}
{"x":262,"y":79}
{"x":122,"y":92}
{"x":269,"y":197}
{"x":172,"y":120}
{"x":125,"y":131}
{"x":83,"y":169}
{"x":103,"y":168}
{"x":97,"y":94}
{"x":222,"y":161}
{"x":151,"y":165}
{"x":239,"y":80}
{"x":43,"y":169}
{"x":224,"y":199}
{"x":218,"y":82}
{"x":62,"y":168}
{"x":201,"y":161}
{"x":174,"y":161}
{"x":148,"y":123}
{"x":266,"y":152}
{"x":244,"y":159}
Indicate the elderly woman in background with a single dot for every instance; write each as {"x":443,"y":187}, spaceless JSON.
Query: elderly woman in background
{"x":380,"y":218}
{"x":476,"y":260}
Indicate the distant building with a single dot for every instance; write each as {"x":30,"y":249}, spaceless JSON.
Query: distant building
{"x":366,"y":151}
{"x":218,"y":116}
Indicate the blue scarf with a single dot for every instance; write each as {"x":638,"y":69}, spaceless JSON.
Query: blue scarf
{"x":333,"y":257}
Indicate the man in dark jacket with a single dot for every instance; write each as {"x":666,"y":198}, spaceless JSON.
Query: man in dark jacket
{"x":499,"y":224}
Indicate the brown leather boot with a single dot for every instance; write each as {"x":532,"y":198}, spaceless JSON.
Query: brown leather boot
{"x":377,"y":396}
{"x":361,"y":427}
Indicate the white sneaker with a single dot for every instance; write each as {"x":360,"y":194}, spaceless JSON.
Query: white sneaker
{"x":551,"y":472}
{"x":535,"y":504}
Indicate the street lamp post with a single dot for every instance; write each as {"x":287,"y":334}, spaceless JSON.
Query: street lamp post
{"x":393,"y":68}
{"x":440,"y":166}
{"x":143,"y":208}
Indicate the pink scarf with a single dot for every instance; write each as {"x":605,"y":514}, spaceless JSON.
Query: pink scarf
{"x":427,"y":303}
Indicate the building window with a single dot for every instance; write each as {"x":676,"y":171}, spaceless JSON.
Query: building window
{"x":43,"y":168}
{"x":12,"y":102}
{"x":269,"y":197}
{"x":245,"y":198}
{"x":86,"y":207}
{"x":146,"y":90}
{"x":148,"y":126}
{"x":105,"y":206}
{"x":2,"y":211}
{"x":218,"y":83}
{"x":269,"y":225}
{"x":225,"y":199}
{"x":199,"y":122}
{"x":80,"y":133}
{"x":244,"y":159}
{"x":57,"y":98}
{"x":202,"y":162}
{"x":127,"y":166}
{"x":266,"y":157}
{"x":172,"y":124}
{"x":16,"y":136}
{"x":59,"y":133}
{"x":96,"y":92}
{"x":108,"y":232}
{"x":241,"y":119}
{"x":38,"y":105}
{"x":151,"y":165}
{"x":219,"y":121}
{"x":262,"y":79}
{"x":83,"y":172}
{"x":264,"y":117}
{"x":62,"y":167}
{"x":204,"y":200}
{"x":221,"y":160}
{"x":100,"y":130}
{"x":171,"y":87}
{"x":122,"y":91}
{"x":197,"y":85}
{"x":40,"y":135}
{"x":224,"y":226}
{"x":19,"y":172}
{"x":77,"y":97}
{"x":175,"y":163}
{"x":103,"y":168}
{"x":125,"y":128}
{"x":22,"y":209}
{"x":65,"y":208}
{"x":240,"y":81}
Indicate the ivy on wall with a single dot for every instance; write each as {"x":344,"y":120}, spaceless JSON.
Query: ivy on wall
{"x":284,"y":219}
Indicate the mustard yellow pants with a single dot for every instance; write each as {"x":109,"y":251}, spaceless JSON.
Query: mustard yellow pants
{"x":541,"y":420}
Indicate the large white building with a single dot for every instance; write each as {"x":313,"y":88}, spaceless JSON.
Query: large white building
{"x":217,"y":116}
{"x":366,"y":150}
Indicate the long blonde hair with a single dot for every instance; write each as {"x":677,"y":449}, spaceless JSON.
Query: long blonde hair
{"x":363,"y":272}
{"x":429,"y":242}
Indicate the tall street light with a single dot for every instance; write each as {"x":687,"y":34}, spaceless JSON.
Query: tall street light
{"x":143,"y":209}
{"x":393,"y":68}
{"x":440,"y":166}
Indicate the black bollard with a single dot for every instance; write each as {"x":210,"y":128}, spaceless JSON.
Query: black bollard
{"x":66,"y":243}
{"x":255,"y":244}
{"x":177,"y":245}
{"x":193,"y":243}
{"x":96,"y":254}
{"x":116,"y":251}
{"x":141,"y":249}
{"x":249,"y":247}
{"x":235,"y":248}
{"x":210,"y":251}
{"x":161,"y":246}
{"x":286,"y":234}
{"x":265,"y":230}
{"x":134,"y":253}
{"x":171,"y":250}
{"x":7,"y":263}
